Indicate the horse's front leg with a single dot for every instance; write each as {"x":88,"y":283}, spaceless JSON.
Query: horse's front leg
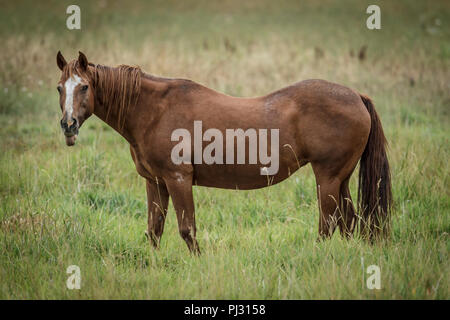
{"x":157,"y":201}
{"x":180,"y":190}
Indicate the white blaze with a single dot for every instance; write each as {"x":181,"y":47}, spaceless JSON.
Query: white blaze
{"x":70,"y":86}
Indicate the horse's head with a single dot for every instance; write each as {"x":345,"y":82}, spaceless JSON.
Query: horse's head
{"x":76,"y":95}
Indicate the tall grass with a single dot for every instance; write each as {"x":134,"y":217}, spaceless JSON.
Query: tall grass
{"x":86,"y":205}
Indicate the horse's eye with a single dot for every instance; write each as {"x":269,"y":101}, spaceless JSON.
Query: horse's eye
{"x":59,"y":88}
{"x":84,"y":88}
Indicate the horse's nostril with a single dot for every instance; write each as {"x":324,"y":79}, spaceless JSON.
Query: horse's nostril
{"x":73,"y":123}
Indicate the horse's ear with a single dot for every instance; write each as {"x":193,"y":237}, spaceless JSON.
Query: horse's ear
{"x":82,"y":61}
{"x":60,"y":61}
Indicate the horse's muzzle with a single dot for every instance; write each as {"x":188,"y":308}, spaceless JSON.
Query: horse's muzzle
{"x":70,"y":141}
{"x":70,"y":130}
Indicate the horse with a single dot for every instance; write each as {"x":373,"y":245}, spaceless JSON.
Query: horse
{"x":328,"y":125}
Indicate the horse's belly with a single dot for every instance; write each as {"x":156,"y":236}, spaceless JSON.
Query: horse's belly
{"x":242,"y":177}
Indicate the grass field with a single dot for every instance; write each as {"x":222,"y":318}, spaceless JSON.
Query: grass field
{"x":86,"y":205}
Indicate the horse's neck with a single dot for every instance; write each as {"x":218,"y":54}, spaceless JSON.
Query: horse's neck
{"x":111,"y":117}
{"x":149,"y":95}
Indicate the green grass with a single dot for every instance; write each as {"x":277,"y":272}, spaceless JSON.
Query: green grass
{"x":86,"y":205}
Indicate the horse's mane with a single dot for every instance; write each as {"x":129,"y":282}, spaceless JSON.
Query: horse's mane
{"x":117,"y":88}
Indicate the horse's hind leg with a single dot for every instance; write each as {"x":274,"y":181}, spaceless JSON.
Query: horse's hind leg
{"x":334,"y":197}
{"x":347,"y":219}
{"x":328,"y":195}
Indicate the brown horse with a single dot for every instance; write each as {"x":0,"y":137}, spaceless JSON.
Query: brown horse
{"x":315,"y":121}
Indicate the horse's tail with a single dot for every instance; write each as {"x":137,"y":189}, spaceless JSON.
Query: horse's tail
{"x":374,"y":189}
